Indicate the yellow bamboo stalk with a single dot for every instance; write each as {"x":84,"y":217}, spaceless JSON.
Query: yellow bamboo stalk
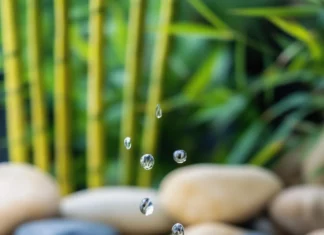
{"x":62,"y":90}
{"x":133,"y":68}
{"x":95,"y":125}
{"x":149,"y":138}
{"x":15,"y":108}
{"x":38,"y":102}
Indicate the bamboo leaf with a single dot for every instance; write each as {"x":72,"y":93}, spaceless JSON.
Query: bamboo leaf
{"x":221,"y":114}
{"x":240,"y":74}
{"x":208,"y":14}
{"x":289,"y":11}
{"x":300,"y":33}
{"x":277,"y":142}
{"x":267,"y":153}
{"x":294,"y":100}
{"x":199,"y":30}
{"x":246,"y":143}
{"x":200,"y":79}
{"x":218,"y":95}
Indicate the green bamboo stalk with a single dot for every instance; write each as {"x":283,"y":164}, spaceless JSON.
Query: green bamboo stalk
{"x":62,"y":90}
{"x":15,"y":108}
{"x":95,"y":125}
{"x":38,"y":103}
{"x":133,"y":70}
{"x":155,"y":88}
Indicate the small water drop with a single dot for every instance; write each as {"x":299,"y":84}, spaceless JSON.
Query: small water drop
{"x":147,"y":161}
{"x":146,"y":207}
{"x":177,"y":229}
{"x":180,"y":156}
{"x":158,"y":111}
{"x":128,"y":142}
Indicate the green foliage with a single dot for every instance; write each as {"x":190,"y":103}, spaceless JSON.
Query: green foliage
{"x":229,"y":93}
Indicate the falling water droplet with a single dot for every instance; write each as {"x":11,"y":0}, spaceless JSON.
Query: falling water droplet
{"x":146,"y":206}
{"x":177,"y":229}
{"x":147,"y":161}
{"x":158,"y":111}
{"x":128,"y":142}
{"x":180,"y":156}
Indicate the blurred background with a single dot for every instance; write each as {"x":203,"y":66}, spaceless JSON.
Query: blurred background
{"x":239,"y":85}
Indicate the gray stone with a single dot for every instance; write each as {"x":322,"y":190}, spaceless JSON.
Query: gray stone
{"x":64,"y":227}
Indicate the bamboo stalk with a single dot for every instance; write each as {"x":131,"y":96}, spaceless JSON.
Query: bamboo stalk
{"x":15,"y":108}
{"x":38,"y":103}
{"x":155,"y":88}
{"x":133,"y":70}
{"x":95,"y":125}
{"x":62,"y":89}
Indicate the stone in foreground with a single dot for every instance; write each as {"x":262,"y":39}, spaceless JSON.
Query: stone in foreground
{"x":299,"y":209}
{"x":207,"y":192}
{"x":118,"y":207}
{"x":26,"y":194}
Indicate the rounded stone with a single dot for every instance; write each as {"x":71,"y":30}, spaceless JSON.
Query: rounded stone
{"x":64,"y":227}
{"x":299,"y":209}
{"x":207,"y":192}
{"x":26,"y":194}
{"x":317,"y":232}
{"x":213,"y":228}
{"x":118,"y":207}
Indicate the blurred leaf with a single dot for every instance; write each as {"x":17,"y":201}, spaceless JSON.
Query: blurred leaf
{"x":288,"y":11}
{"x":218,"y":95}
{"x":299,"y":62}
{"x":281,"y":78}
{"x":222,"y":114}
{"x":172,"y":103}
{"x":292,"y":101}
{"x":288,"y":125}
{"x":201,"y":78}
{"x":298,"y":31}
{"x":208,"y":14}
{"x":119,"y":31}
{"x":276,"y":144}
{"x":248,"y":140}
{"x":199,"y":30}
{"x":290,"y":52}
{"x":267,"y":153}
{"x":240,"y":74}
{"x":79,"y":45}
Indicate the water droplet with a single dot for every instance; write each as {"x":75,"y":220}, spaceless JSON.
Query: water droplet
{"x":147,"y":161}
{"x":180,"y":156}
{"x":146,"y":206}
{"x":128,"y":142}
{"x":177,"y":229}
{"x":158,"y":111}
